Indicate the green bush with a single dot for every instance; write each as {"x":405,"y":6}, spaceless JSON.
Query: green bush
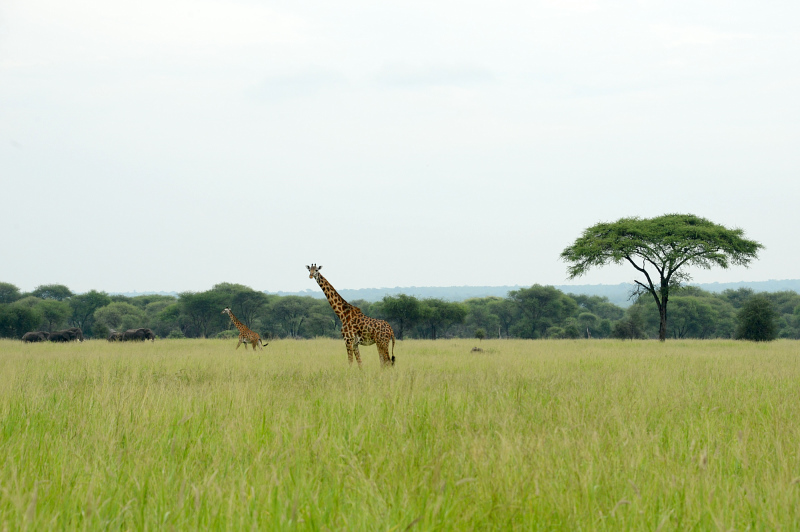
{"x":16,"y":320}
{"x":757,"y":320}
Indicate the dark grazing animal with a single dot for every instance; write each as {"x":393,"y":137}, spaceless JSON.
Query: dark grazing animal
{"x":75,"y":333}
{"x":138,"y":335}
{"x":36,"y":336}
{"x":67,"y":335}
{"x":60,"y":336}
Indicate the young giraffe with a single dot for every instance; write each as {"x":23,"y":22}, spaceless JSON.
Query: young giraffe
{"x":246,"y":336}
{"x":356,"y":327}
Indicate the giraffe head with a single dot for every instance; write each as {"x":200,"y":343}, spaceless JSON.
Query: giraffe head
{"x":227,"y":311}
{"x":313,"y":271}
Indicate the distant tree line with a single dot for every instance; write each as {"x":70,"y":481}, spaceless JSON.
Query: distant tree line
{"x":535,"y":312}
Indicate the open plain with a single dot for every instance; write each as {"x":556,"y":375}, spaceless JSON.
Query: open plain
{"x":525,"y":435}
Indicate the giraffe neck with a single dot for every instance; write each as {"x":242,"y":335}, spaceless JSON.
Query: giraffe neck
{"x":239,"y":325}
{"x":338,"y":304}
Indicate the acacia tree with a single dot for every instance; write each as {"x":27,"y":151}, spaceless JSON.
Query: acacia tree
{"x":59,"y":292}
{"x":9,"y":293}
{"x":200,"y":312}
{"x":83,"y":307}
{"x":437,"y":314}
{"x":403,"y":309}
{"x":506,"y":312}
{"x":54,"y":313}
{"x":243,"y":300}
{"x":659,"y":249}
{"x":540,"y":307}
{"x":289,"y":313}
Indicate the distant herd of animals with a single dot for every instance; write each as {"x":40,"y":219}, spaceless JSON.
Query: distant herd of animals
{"x":357,"y":328}
{"x":67,"y":335}
{"x":132,"y":335}
{"x":74,"y":334}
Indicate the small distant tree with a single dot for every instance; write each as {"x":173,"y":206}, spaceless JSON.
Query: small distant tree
{"x":438,"y":315}
{"x":630,"y":327}
{"x":9,"y":293}
{"x":692,"y":317}
{"x":54,"y":313}
{"x":554,"y":333}
{"x":321,"y":320}
{"x":120,"y":316}
{"x":28,"y":302}
{"x":600,"y":306}
{"x":737,"y":297}
{"x":16,"y":320}
{"x":201,"y":313}
{"x":480,"y":316}
{"x":168,"y":321}
{"x":289,"y":314}
{"x":506,"y":312}
{"x":540,"y":307}
{"x":571,"y":329}
{"x":404,"y":310}
{"x":152,"y":312}
{"x":83,"y":307}
{"x":660,"y":249}
{"x":245,"y":302}
{"x":480,"y":334}
{"x":757,"y":320}
{"x":59,"y":292}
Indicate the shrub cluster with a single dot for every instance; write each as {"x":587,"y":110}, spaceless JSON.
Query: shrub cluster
{"x":535,"y":312}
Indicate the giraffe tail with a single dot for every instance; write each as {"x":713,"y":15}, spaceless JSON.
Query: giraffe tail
{"x":392,"y":348}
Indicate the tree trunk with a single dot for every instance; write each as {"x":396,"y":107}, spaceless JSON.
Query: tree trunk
{"x":662,"y":311}
{"x":662,"y":328}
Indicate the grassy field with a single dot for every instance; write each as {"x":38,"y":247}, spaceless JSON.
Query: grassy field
{"x":527,"y":435}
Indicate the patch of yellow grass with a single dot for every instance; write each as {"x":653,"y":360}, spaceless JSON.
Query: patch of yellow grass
{"x":524,"y":435}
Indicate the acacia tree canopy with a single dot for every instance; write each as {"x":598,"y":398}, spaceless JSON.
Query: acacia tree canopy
{"x":59,"y":292}
{"x":660,"y":249}
{"x":403,"y":309}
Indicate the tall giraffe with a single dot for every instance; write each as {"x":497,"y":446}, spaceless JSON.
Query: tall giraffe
{"x":356,"y":327}
{"x":246,"y":336}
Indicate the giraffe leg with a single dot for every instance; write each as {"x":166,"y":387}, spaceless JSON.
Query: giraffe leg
{"x":349,"y":344}
{"x":358,"y":355}
{"x":383,"y":352}
{"x":388,"y":359}
{"x":240,"y":343}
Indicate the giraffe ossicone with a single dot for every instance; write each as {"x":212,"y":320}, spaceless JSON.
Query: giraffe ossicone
{"x":357,"y":328}
{"x":246,"y":336}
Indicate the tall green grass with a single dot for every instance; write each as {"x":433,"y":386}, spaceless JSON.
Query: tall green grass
{"x":528,"y":435}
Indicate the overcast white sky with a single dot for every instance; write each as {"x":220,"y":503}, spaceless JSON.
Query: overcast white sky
{"x":172,"y":145}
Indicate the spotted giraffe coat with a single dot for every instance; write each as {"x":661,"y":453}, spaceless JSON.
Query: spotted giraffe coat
{"x":357,"y":328}
{"x":246,"y":336}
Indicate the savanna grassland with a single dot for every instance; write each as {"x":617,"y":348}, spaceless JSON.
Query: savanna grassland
{"x":526,"y":435}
